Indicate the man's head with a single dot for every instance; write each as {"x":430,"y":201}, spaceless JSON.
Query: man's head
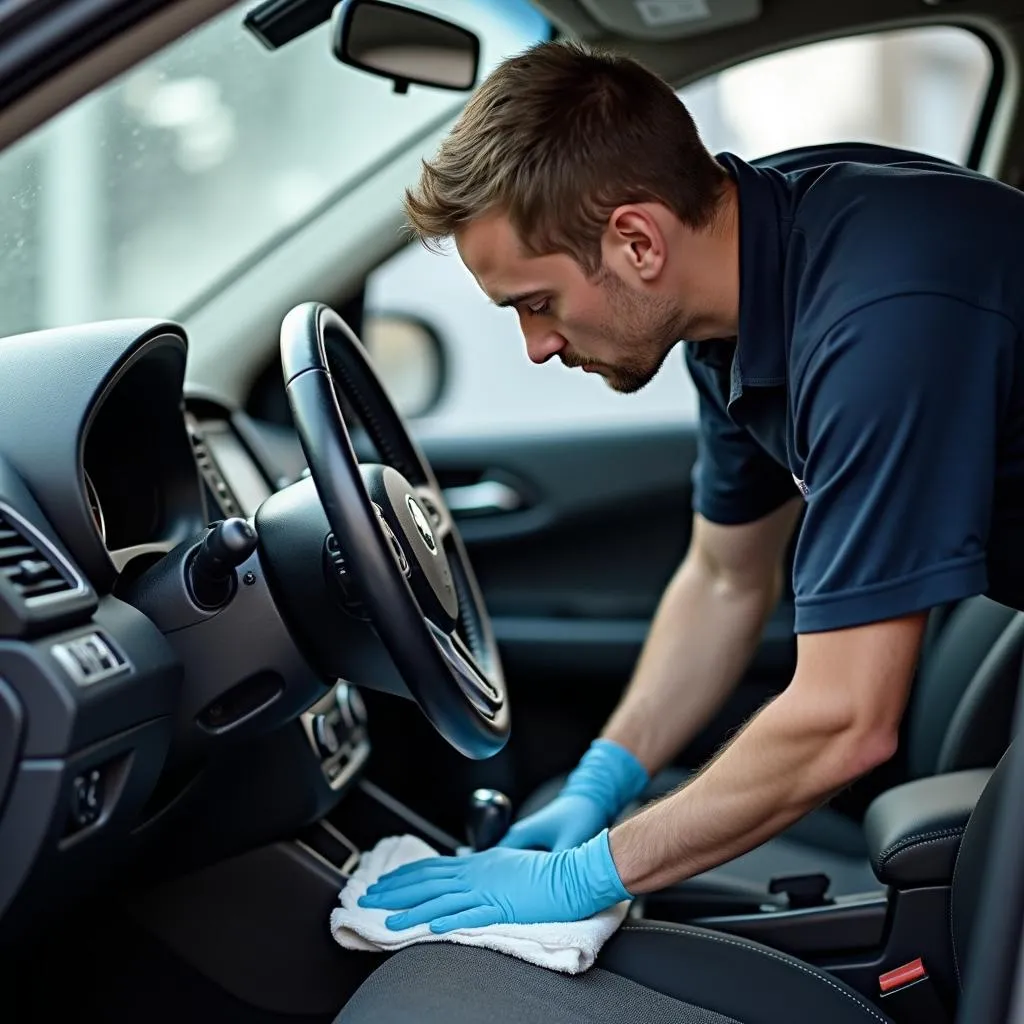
{"x":579,"y":193}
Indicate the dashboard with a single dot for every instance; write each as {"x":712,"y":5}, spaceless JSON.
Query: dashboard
{"x":114,"y":697}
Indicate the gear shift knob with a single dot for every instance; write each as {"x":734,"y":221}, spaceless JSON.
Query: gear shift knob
{"x":490,"y":814}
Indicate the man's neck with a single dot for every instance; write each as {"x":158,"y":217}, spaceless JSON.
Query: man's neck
{"x":709,"y":272}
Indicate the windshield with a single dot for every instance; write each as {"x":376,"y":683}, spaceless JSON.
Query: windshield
{"x":139,"y":197}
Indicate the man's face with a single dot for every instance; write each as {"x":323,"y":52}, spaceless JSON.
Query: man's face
{"x":601,"y":325}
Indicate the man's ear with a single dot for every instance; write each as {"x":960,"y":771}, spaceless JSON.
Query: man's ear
{"x":634,"y":243}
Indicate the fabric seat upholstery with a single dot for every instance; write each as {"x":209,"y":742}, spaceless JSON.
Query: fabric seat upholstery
{"x":669,"y":974}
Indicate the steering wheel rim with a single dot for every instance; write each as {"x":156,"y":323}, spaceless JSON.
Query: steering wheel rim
{"x":391,"y":523}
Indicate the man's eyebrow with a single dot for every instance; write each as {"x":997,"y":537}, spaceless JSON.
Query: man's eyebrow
{"x":515,"y":300}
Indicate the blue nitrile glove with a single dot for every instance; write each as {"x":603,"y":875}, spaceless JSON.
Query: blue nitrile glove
{"x":500,"y":887}
{"x":607,"y":778}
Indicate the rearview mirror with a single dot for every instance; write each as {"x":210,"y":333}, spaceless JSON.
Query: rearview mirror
{"x":407,"y":46}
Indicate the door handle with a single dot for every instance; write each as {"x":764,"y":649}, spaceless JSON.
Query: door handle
{"x":488,"y":497}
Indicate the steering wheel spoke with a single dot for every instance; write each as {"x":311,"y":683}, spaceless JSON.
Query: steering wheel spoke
{"x":437,"y":511}
{"x":484,"y":695}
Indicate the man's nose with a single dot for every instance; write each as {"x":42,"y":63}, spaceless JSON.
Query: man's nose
{"x":542,"y":344}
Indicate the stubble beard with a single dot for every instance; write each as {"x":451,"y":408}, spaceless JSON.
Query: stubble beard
{"x":645,"y":328}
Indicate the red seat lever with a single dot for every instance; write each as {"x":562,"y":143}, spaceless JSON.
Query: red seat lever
{"x":900,"y":976}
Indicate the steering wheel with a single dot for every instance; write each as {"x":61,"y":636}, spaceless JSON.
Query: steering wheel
{"x":399,"y":542}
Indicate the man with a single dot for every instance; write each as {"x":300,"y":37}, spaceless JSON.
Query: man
{"x":854,"y":333}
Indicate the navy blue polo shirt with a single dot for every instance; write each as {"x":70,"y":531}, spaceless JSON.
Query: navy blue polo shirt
{"x":879,"y":374}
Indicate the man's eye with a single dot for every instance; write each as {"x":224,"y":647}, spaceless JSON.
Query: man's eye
{"x":539,"y":308}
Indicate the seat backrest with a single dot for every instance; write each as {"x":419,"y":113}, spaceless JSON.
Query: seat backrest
{"x":971,"y":865}
{"x":961,"y":708}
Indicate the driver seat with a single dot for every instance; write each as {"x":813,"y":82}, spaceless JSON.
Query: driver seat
{"x":652,"y":972}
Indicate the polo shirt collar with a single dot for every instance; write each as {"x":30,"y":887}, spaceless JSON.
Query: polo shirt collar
{"x":759,"y":356}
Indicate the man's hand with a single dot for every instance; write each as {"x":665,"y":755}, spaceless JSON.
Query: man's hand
{"x":607,"y":778}
{"x":560,"y":825}
{"x":500,"y":887}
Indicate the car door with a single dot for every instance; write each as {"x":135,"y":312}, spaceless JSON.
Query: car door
{"x":574,"y":501}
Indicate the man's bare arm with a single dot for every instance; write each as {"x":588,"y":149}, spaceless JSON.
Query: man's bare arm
{"x":704,"y":634}
{"x":837,"y":719}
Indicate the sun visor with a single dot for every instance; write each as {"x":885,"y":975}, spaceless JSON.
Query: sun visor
{"x":669,"y":19}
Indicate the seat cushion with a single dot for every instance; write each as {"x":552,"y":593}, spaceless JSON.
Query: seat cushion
{"x":461,"y":984}
{"x":646,"y":974}
{"x":823,"y":841}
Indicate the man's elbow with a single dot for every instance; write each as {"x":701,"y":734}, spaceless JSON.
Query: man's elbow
{"x":853,"y":685}
{"x":853,"y":740}
{"x":866,"y":747}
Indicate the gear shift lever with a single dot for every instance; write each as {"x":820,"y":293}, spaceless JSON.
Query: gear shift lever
{"x":490,"y":814}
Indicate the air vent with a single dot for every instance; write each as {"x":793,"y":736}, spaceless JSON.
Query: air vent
{"x":31,"y":570}
{"x":211,"y":473}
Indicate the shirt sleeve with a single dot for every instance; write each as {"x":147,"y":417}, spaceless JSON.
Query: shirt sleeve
{"x":896,"y":417}
{"x":734,"y":479}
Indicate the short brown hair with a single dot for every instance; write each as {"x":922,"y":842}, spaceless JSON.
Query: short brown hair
{"x":556,"y":138}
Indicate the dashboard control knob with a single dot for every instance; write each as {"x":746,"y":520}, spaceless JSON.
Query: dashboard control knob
{"x":211,"y":572}
{"x":326,"y":738}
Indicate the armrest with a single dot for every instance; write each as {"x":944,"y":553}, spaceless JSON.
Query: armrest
{"x":913,"y":831}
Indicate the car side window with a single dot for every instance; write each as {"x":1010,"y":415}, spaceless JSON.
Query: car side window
{"x":920,"y":88}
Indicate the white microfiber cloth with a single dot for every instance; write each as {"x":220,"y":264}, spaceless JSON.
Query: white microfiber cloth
{"x":570,"y":947}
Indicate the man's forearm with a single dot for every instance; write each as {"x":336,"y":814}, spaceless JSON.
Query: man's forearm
{"x":702,"y":638}
{"x":788,"y":759}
